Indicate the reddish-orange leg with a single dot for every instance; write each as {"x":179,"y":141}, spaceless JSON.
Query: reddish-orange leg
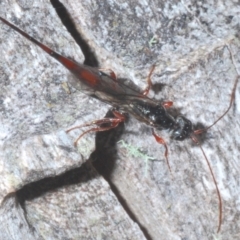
{"x":161,"y":141}
{"x":119,"y":117}
{"x":145,"y":92}
{"x":166,"y":104}
{"x":149,"y":82}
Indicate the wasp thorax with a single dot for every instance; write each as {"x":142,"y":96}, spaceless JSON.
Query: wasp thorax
{"x":182,"y":128}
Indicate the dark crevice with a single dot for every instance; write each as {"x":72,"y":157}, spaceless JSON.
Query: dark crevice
{"x":129,"y":211}
{"x":39,"y":188}
{"x":90,"y":58}
{"x":105,"y":156}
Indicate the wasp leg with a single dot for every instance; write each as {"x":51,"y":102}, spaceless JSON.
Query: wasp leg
{"x":161,"y":141}
{"x":149,"y":82}
{"x":114,"y":122}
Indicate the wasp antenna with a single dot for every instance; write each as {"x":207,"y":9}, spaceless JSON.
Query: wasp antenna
{"x":199,"y":131}
{"x":232,"y":97}
{"x":194,"y":138}
{"x":230,"y":104}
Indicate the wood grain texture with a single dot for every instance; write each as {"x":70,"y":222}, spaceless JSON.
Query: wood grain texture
{"x":188,"y":43}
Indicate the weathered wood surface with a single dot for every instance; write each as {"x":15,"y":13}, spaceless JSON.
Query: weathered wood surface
{"x":188,"y":44}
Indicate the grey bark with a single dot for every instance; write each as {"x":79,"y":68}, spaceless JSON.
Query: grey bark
{"x":190,"y":44}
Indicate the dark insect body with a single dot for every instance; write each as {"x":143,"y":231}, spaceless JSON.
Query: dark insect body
{"x":124,"y":99}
